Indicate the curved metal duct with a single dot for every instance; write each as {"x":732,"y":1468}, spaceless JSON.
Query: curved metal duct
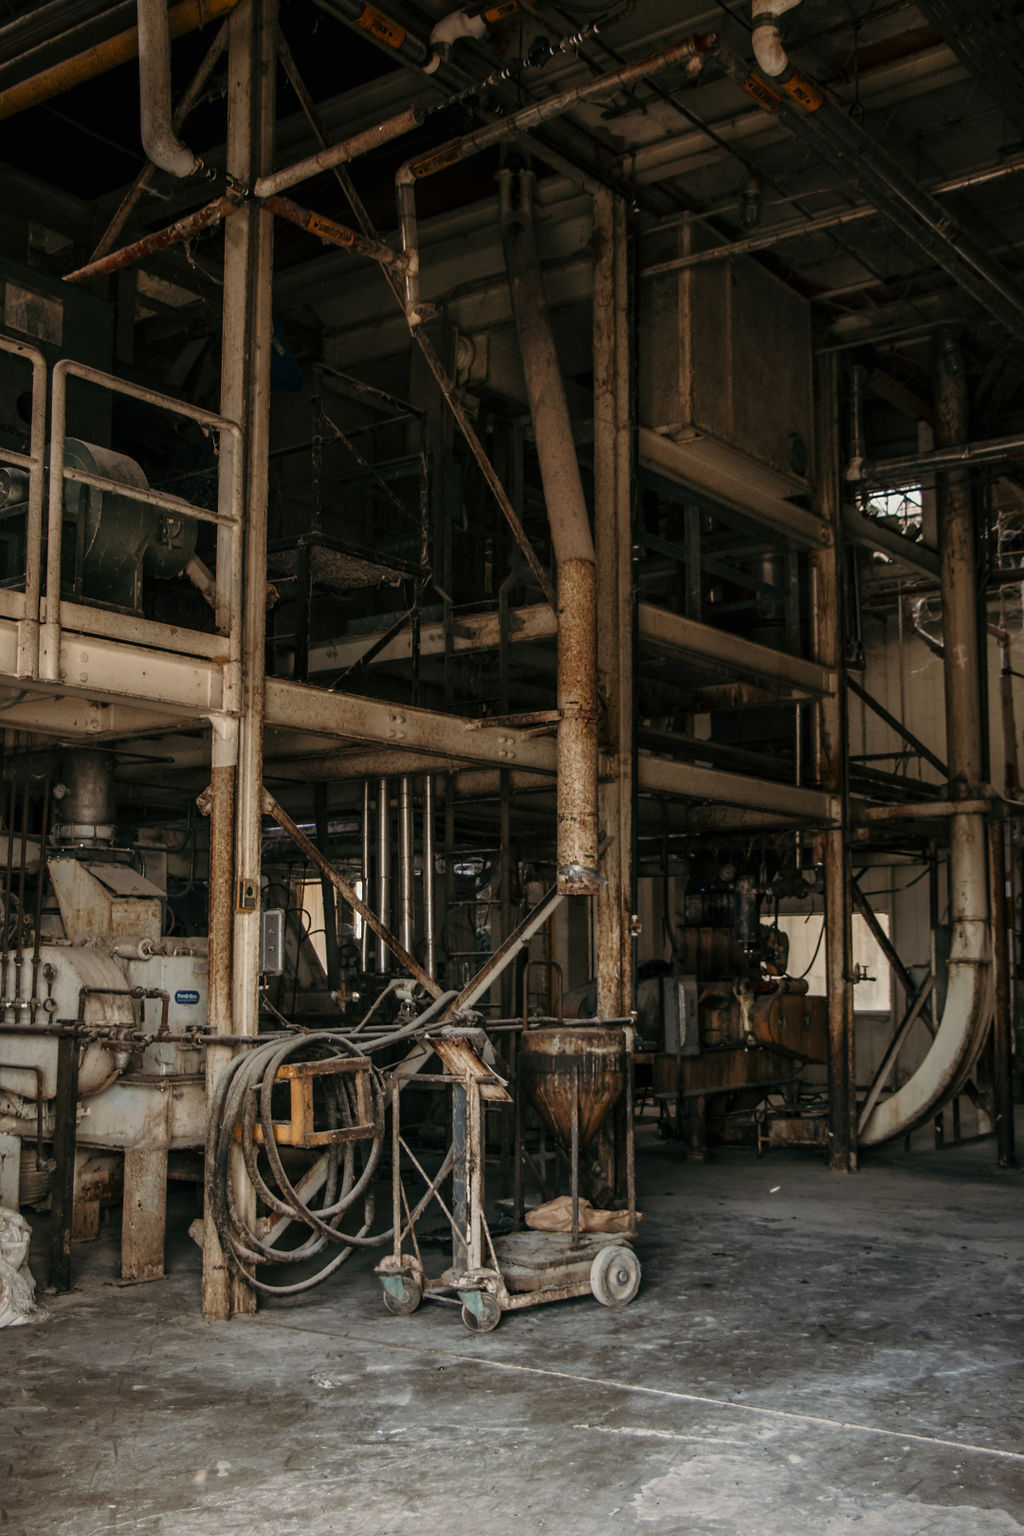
{"x":572,"y":540}
{"x":969,"y":999}
{"x":159,"y":139}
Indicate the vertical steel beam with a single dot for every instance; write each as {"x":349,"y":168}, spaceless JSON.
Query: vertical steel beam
{"x":613,"y":498}
{"x":327,"y":891}
{"x":245,"y":398}
{"x":832,"y":764}
{"x":383,"y":871}
{"x":962,"y":671}
{"x":1003,"y":1022}
{"x":62,"y":1192}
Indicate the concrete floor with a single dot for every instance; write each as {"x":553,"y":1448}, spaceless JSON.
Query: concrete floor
{"x":807,"y":1351}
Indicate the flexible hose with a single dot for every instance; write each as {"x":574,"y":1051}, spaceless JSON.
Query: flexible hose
{"x":243,"y":1098}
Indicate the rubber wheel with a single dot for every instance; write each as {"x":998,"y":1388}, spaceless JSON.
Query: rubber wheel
{"x":488,"y":1317}
{"x":615,"y":1276}
{"x":402,"y":1306}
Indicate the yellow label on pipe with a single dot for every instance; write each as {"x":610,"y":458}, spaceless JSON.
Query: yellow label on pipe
{"x":432,"y":163}
{"x":499,"y":12}
{"x":383,"y":28}
{"x":804,"y":92}
{"x":762,"y":93}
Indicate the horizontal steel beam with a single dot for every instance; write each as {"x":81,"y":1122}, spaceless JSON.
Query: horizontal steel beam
{"x":672,"y":634}
{"x":871,"y":535}
{"x":474,"y":632}
{"x":294,"y":706}
{"x":756,"y":495}
{"x":665,"y":776}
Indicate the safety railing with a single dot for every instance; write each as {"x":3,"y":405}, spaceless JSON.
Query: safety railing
{"x":24,"y":606}
{"x":227,"y":518}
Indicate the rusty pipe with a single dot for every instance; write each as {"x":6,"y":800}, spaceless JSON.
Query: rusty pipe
{"x":172,"y":234}
{"x":332,"y":232}
{"x":691,"y":51}
{"x":571,"y":538}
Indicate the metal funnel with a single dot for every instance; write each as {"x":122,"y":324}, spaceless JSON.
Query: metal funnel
{"x":566,"y":1065}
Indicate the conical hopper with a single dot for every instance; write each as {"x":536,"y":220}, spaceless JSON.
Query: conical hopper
{"x":552,"y":1062}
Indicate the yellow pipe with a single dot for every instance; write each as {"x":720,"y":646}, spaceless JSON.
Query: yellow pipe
{"x":183,"y":18}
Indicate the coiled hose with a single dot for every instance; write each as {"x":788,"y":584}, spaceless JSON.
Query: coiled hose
{"x":244,"y":1098}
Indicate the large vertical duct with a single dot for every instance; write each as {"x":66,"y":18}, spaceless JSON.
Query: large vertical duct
{"x":571,"y":538}
{"x":968,"y":1008}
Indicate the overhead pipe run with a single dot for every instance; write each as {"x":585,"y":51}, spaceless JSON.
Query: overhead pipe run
{"x":571,"y":537}
{"x":824,"y":124}
{"x":690,"y":52}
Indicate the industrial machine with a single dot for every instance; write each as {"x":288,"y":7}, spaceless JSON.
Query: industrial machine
{"x":91,"y":987}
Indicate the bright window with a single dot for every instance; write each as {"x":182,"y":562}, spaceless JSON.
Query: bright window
{"x":869,"y":996}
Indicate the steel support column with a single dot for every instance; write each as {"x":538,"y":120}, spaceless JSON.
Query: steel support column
{"x":613,"y":479}
{"x":833,"y":760}
{"x":245,"y":398}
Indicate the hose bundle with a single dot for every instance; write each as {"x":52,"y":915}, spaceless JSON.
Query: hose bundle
{"x":341,"y":1178}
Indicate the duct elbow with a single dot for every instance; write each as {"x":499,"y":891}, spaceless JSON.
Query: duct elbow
{"x":772,"y":58}
{"x":449,"y":29}
{"x":161,"y":143}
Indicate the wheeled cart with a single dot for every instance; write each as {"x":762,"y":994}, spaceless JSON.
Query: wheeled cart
{"x":491,"y":1275}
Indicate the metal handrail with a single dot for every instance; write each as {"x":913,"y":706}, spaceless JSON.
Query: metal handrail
{"x":35,"y":462}
{"x":231,"y":495}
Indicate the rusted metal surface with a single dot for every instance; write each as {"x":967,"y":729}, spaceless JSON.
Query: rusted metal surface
{"x":172,"y":234}
{"x":1003,"y":1018}
{"x":574,"y":1075}
{"x":572,"y":540}
{"x":341,"y":885}
{"x":189,"y":98}
{"x":577,"y":729}
{"x":333,"y":233}
{"x":339,"y":154}
{"x":144,"y":1213}
{"x":62,"y":1194}
{"x":831,"y":754}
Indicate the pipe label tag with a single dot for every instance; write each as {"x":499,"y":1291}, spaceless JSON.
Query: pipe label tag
{"x":804,"y":92}
{"x":189,"y":999}
{"x":383,"y":28}
{"x":762,"y":93}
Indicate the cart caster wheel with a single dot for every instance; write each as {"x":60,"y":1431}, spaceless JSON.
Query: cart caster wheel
{"x":403,"y":1295}
{"x":615,"y":1276}
{"x":483,"y":1313}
